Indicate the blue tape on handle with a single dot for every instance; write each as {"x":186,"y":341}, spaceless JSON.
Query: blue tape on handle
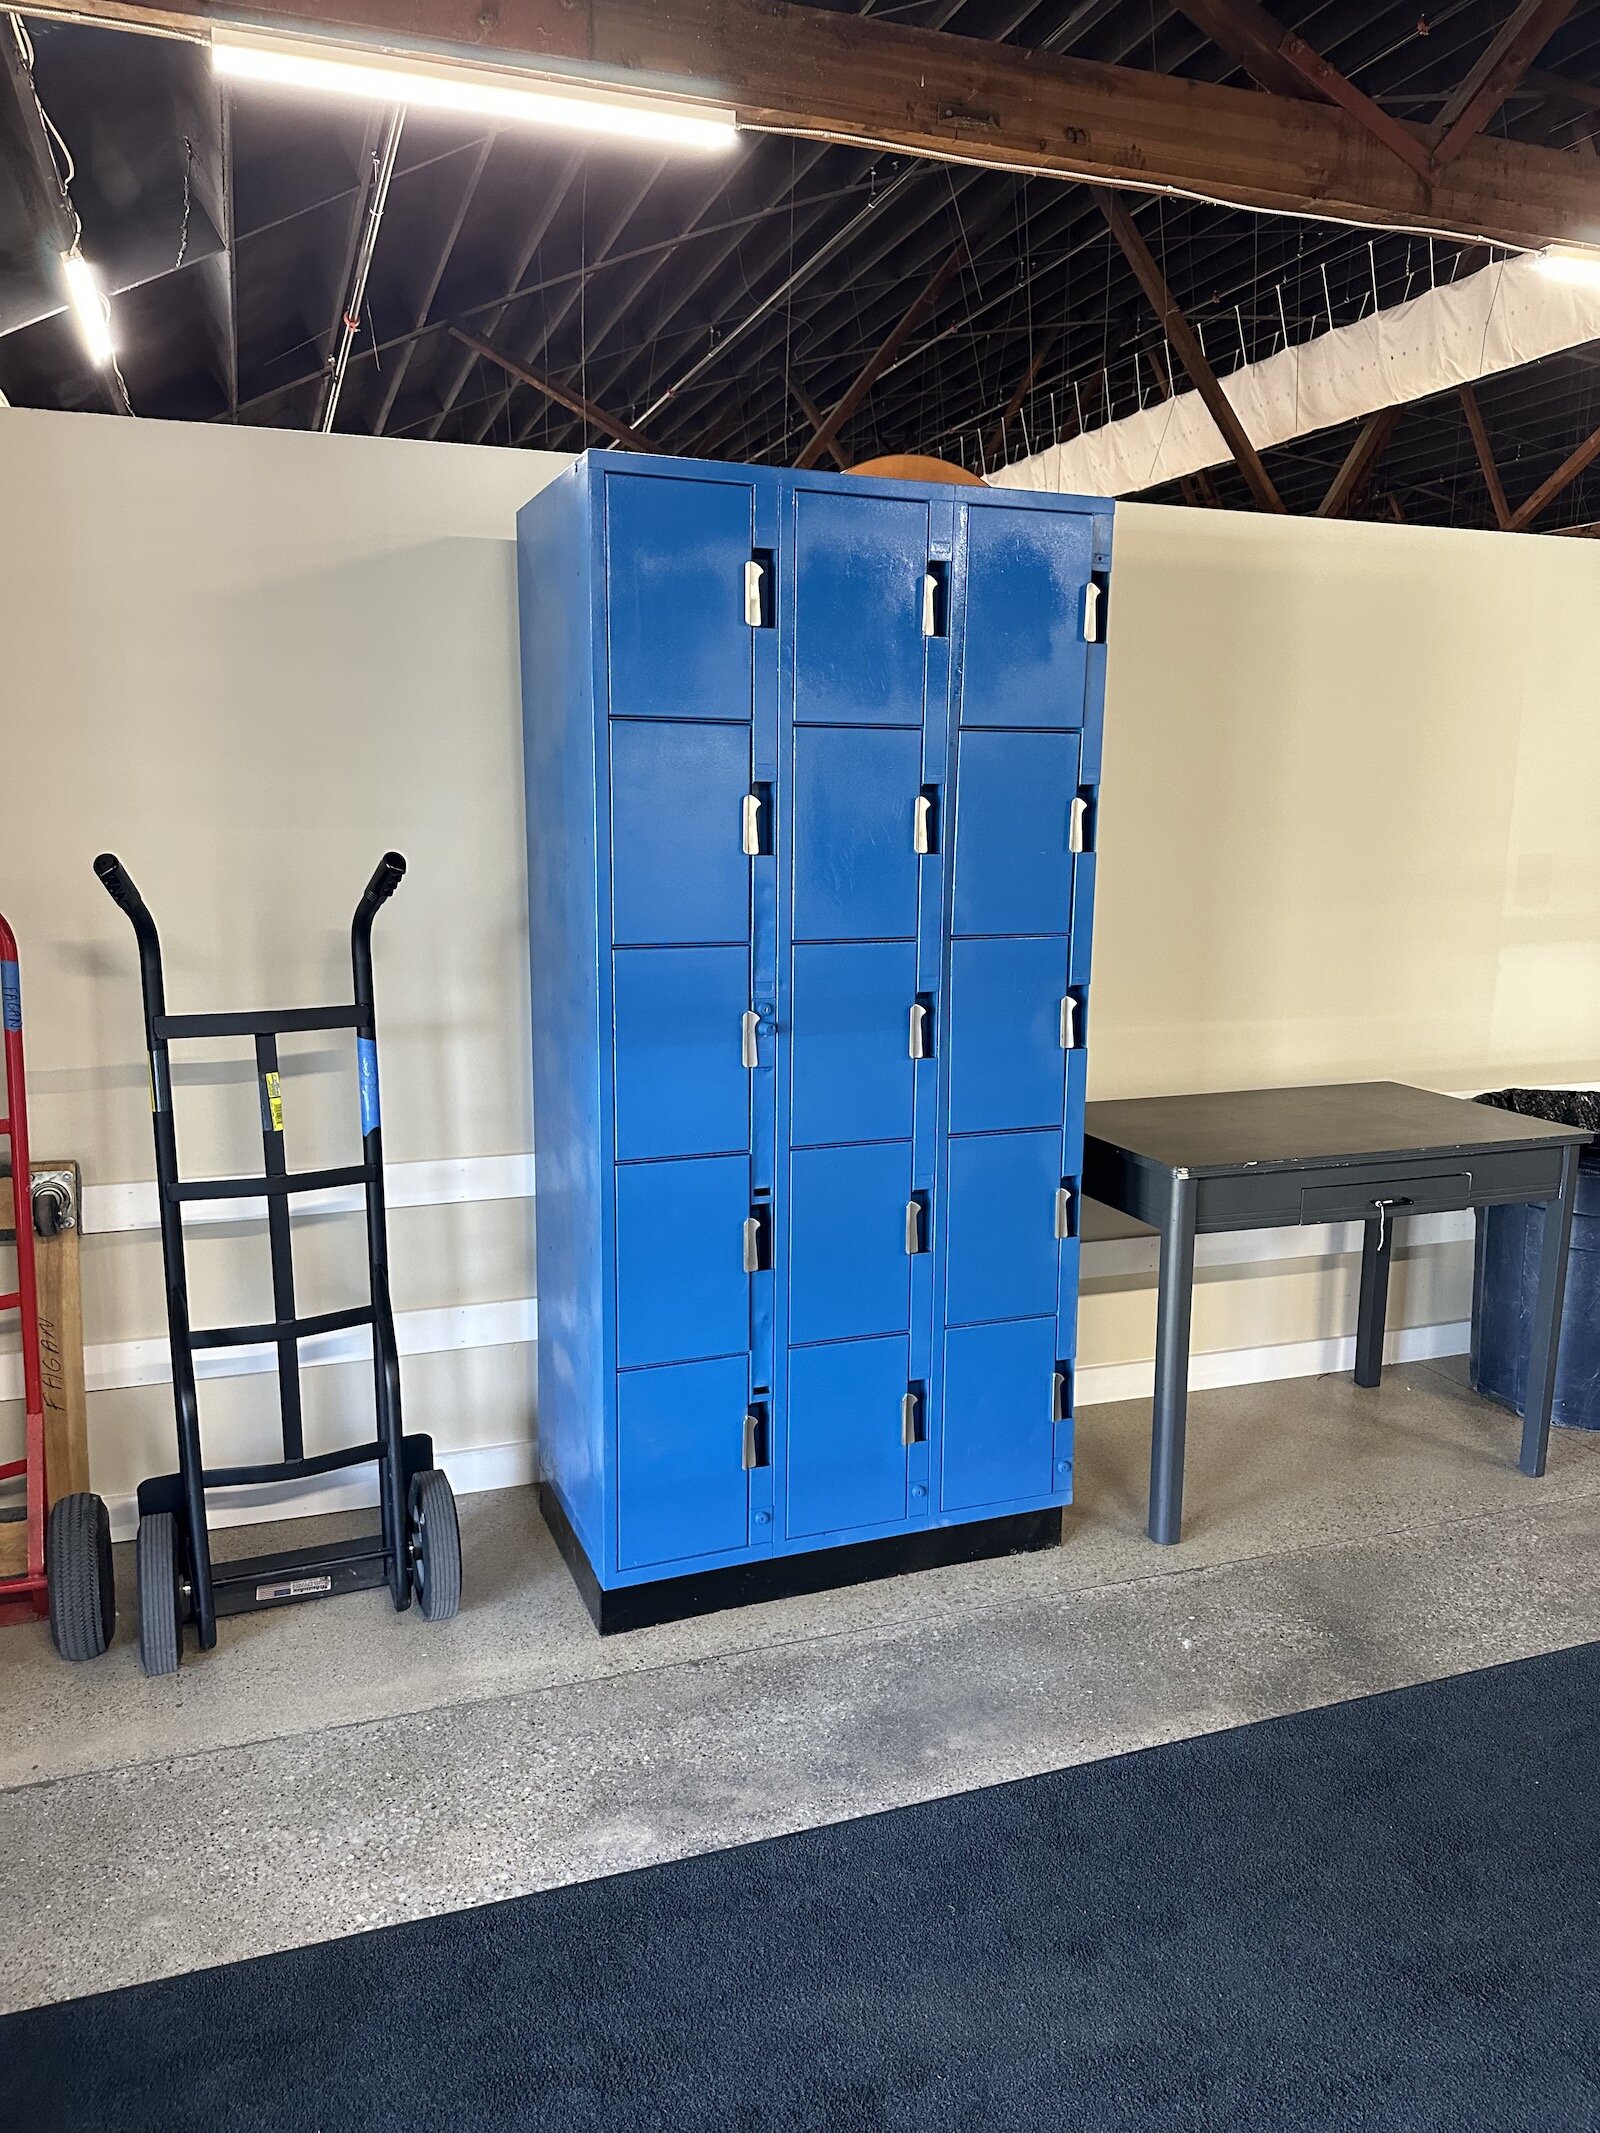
{"x":10,"y":996}
{"x":367,"y":1077}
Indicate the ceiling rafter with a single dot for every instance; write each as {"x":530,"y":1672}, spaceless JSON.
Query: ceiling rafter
{"x":921,"y":307}
{"x":1187,"y":348}
{"x":1473,"y":103}
{"x":565,"y":396}
{"x":1360,"y":463}
{"x":1485,"y":453}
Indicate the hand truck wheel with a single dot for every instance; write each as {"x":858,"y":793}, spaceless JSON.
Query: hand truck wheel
{"x":160,"y":1623}
{"x":83,"y":1593}
{"x":435,"y":1546}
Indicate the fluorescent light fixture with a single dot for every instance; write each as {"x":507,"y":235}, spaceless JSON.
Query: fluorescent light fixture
{"x":444,"y":85}
{"x":1571,"y":262}
{"x":90,"y":306}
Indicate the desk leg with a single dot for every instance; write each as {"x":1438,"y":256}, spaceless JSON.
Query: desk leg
{"x":1547,"y":1317}
{"x":1173,"y":1302}
{"x":1376,"y":1246}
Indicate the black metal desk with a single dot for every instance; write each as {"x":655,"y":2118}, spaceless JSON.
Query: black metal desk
{"x":1367,"y":1151}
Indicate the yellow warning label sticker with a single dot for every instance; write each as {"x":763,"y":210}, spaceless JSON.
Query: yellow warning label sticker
{"x":274,"y":1101}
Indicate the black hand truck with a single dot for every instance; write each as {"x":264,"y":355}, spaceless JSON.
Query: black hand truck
{"x":418,"y":1546}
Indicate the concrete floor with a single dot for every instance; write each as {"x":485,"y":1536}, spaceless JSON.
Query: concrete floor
{"x":337,"y":1766}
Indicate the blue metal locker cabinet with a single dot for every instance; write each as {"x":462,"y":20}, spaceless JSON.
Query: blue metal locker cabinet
{"x":812,"y":774}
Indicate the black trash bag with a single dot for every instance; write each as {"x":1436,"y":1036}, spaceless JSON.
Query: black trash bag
{"x":1562,"y":1107}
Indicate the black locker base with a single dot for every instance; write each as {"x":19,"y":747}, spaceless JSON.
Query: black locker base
{"x":782,"y":1577}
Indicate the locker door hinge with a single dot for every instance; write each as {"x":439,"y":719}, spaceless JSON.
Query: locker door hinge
{"x":1063,"y":1211}
{"x":747,"y":1041}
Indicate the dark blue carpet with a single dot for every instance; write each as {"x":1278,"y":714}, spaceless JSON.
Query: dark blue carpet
{"x":1381,"y":1915}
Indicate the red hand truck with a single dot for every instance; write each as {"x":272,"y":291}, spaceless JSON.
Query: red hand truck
{"x":66,"y":1564}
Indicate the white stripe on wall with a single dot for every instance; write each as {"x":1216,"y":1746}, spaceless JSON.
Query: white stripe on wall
{"x":115,"y":1365}
{"x":506,"y":1466}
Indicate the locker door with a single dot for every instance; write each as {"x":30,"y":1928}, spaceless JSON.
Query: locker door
{"x":999,"y":1432}
{"x":1002,"y":1249}
{"x":855,"y":868}
{"x":682,"y":1291}
{"x":860,"y":563}
{"x":1024,"y":662}
{"x":681,"y":1085}
{"x":678,"y":866}
{"x":682,"y":1490}
{"x":846,"y":1458}
{"x":851,"y":1073}
{"x":676,"y":552}
{"x":1006,"y":1061}
{"x":1013,"y":856}
{"x":849,"y":1271}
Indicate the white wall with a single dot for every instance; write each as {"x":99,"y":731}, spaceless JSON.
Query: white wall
{"x":1350,"y":776}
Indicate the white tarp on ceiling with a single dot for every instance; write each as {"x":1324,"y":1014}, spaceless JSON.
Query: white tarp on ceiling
{"x":1508,"y":313}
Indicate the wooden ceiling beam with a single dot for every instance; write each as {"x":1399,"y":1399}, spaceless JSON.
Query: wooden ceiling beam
{"x":1284,"y":63}
{"x":839,"y":76}
{"x":1481,"y":445}
{"x":1186,"y":345}
{"x":563,"y":395}
{"x":1505,"y":60}
{"x":1024,"y":386}
{"x":1350,"y":484}
{"x":818,"y":421}
{"x":920,"y":308}
{"x":1252,"y":40}
{"x":1563,"y":478}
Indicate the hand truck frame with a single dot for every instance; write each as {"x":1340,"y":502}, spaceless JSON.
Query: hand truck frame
{"x":417,"y":1547}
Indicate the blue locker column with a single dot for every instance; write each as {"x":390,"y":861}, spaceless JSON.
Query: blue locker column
{"x":1030,"y":604}
{"x":690,"y":662}
{"x":866,"y":636}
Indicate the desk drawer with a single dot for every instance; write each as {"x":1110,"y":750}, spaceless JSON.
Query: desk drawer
{"x":1357,"y":1198}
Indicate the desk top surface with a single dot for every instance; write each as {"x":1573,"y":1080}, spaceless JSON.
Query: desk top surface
{"x":1356,"y":1121}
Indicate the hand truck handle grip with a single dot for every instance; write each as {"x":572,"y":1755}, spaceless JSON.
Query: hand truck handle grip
{"x":118,"y":883}
{"x":389,"y":874}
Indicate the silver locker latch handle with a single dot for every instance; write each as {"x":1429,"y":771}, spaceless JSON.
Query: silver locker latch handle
{"x":752,"y":1245}
{"x":919,"y":1030}
{"x":752,"y":593}
{"x":913,"y":1228}
{"x":1091,"y":613}
{"x":1078,"y":825}
{"x":1069,"y":1022}
{"x":1063,"y":1211}
{"x":751,"y":838}
{"x":1060,"y":1397}
{"x":747,"y":1043}
{"x":930,"y":595}
{"x":922,"y":826}
{"x":752,"y":1443}
{"x":908,"y":1419}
